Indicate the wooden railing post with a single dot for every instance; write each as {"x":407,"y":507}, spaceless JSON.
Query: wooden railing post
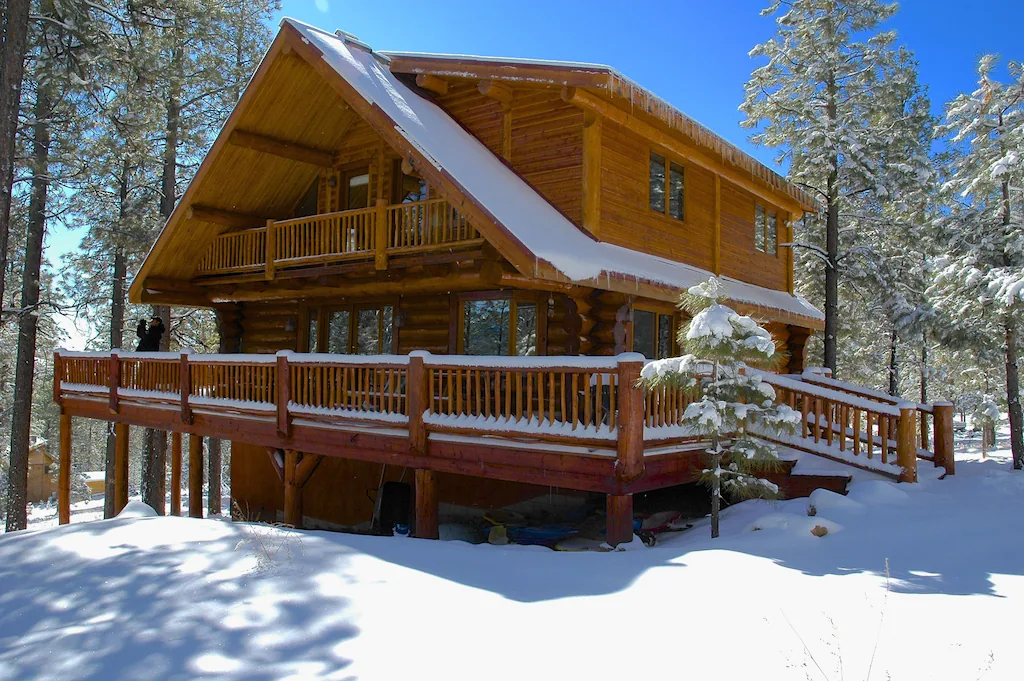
{"x":186,"y":390}
{"x":417,"y":386}
{"x":283,"y":397}
{"x":630,"y":421}
{"x":271,"y":251}
{"x":380,"y":239}
{"x":115,"y":380}
{"x":906,"y":442}
{"x":64,"y":475}
{"x":942,"y":421}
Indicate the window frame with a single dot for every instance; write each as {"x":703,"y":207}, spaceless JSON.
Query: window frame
{"x":658,"y":312}
{"x":670,"y":161}
{"x":515,"y":297}
{"x":772,"y":217}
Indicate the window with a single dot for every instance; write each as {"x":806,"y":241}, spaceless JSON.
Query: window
{"x":353,"y":330}
{"x":671,"y":185}
{"x":652,"y":334}
{"x":766,"y":230}
{"x":499,"y":327}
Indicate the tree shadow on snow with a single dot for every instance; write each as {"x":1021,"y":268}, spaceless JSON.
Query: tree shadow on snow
{"x":169,"y":611}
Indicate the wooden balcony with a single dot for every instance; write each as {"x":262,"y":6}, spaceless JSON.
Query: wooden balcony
{"x":368,"y":234}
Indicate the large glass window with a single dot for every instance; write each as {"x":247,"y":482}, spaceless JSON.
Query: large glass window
{"x":667,"y":187}
{"x":499,"y":327}
{"x":652,"y":334}
{"x":359,"y":330}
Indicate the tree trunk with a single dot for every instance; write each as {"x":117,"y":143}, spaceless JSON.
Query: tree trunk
{"x":154,"y":484}
{"x":832,"y":247}
{"x":1013,"y":395}
{"x":716,"y":487}
{"x":117,"y":288}
{"x":12,"y":69}
{"x":924,"y":368}
{"x":894,"y":369}
{"x":21,"y":420}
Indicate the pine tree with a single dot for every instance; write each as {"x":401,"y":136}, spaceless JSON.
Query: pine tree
{"x":984,"y":267}
{"x":836,"y":96}
{"x":724,"y":349}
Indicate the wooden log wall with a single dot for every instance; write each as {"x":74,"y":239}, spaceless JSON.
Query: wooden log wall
{"x":546,"y":137}
{"x":739,"y":257}
{"x":626,"y":217}
{"x":269,"y":326}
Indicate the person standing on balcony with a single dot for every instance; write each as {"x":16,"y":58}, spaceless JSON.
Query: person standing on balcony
{"x":149,"y":335}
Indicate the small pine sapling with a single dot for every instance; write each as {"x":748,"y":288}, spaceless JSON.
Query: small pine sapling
{"x":724,"y":350}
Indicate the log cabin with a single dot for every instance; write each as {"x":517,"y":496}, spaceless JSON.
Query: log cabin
{"x":448,"y":271}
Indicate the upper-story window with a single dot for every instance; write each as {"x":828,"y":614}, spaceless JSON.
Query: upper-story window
{"x":766,"y":230}
{"x":652,"y":334}
{"x":667,"y":187}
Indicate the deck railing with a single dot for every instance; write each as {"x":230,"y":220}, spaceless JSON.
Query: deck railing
{"x":363,"y":234}
{"x":582,"y":405}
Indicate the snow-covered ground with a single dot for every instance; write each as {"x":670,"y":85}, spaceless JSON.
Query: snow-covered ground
{"x":911,"y":582}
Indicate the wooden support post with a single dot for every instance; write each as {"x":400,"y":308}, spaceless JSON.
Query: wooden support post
{"x":283,"y":396}
{"x":268,"y":271}
{"x":619,"y":519}
{"x":418,"y":392}
{"x":426,"y":504}
{"x":195,"y":476}
{"x":716,"y":244}
{"x":64,"y":475}
{"x":176,"y":474}
{"x":292,"y":490}
{"x":121,"y":435}
{"x":630,"y":423}
{"x":906,"y":442}
{"x":592,"y":173}
{"x":942,"y":417}
{"x":380,"y":240}
{"x":115,"y":380}
{"x":186,"y":390}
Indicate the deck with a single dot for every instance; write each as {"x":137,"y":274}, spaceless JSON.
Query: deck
{"x":580,"y":423}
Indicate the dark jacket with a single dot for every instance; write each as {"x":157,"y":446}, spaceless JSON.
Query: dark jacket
{"x":149,"y":336}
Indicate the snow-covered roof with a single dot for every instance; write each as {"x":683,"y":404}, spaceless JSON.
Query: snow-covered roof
{"x":515,"y":206}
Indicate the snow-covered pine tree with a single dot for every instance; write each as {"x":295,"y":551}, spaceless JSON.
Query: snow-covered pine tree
{"x":835,"y":95}
{"x":984,"y":266}
{"x":724,"y":349}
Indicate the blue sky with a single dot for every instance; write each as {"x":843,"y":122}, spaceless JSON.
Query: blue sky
{"x":691,"y":53}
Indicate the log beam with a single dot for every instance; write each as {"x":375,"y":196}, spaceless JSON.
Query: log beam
{"x":225,"y":218}
{"x":195,"y":476}
{"x":64,"y":475}
{"x":432,"y":83}
{"x":292,"y":151}
{"x":687,"y":150}
{"x":495,"y":90}
{"x":426,"y":504}
{"x":306,"y":467}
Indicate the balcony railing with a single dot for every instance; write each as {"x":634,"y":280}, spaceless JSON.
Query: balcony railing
{"x":371,"y":234}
